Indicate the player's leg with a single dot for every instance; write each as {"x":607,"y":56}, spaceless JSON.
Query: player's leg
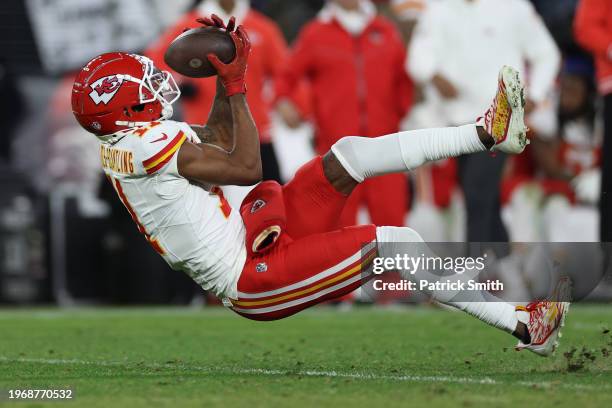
{"x":383,"y":211}
{"x":394,"y":241}
{"x":372,"y":193}
{"x":295,"y":275}
{"x":315,"y":197}
{"x":537,"y":326}
{"x":313,"y":205}
{"x":502,"y":128}
{"x":298,"y":274}
{"x":350,"y":212}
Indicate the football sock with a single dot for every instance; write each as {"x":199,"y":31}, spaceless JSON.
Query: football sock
{"x":399,"y":241}
{"x":364,"y":157}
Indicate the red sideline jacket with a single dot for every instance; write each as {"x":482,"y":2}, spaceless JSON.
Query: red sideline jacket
{"x":265,"y":62}
{"x":593,"y":31}
{"x":358,"y":84}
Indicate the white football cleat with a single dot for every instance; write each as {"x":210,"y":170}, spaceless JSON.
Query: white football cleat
{"x":505,"y":119}
{"x":544,"y":320}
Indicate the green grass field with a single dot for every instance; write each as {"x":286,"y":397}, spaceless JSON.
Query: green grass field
{"x":366,"y":357}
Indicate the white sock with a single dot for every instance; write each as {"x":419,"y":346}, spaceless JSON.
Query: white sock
{"x":392,"y":241}
{"x":364,"y":157}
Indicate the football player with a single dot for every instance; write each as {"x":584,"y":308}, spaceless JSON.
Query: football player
{"x":282,"y":252}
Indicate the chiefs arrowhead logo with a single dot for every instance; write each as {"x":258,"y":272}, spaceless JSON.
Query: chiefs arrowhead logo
{"x":105,"y":88}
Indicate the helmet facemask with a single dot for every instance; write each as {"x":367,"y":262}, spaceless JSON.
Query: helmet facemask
{"x":155,"y":85}
{"x":160,"y":85}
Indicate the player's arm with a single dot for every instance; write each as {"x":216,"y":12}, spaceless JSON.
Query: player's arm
{"x":218,"y":130}
{"x":239,"y":164}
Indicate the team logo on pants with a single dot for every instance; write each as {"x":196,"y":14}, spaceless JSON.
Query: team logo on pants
{"x":105,"y":88}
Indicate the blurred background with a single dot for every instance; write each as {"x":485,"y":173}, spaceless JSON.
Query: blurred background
{"x":319,"y":70}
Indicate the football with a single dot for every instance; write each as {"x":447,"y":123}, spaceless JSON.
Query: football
{"x":187,"y":53}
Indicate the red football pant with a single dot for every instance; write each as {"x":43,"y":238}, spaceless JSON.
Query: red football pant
{"x":385,"y":197}
{"x":313,"y":261}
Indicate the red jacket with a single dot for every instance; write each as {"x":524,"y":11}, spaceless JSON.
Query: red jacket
{"x":267,"y":57}
{"x":593,"y":31}
{"x":358,"y":84}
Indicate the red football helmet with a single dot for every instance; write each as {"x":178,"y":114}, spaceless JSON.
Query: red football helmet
{"x":117,"y":91}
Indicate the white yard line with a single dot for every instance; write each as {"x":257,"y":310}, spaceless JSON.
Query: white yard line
{"x":307,"y":373}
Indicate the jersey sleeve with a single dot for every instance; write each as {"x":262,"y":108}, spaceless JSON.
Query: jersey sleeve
{"x":159,"y":145}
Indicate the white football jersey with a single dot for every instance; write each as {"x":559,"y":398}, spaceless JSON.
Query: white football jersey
{"x":195,"y":230}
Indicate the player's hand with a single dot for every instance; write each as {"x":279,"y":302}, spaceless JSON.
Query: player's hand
{"x":216,"y":21}
{"x":445,"y":87}
{"x":232,"y":74}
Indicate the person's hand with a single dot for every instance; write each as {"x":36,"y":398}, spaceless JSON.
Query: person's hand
{"x":216,"y":21}
{"x":289,"y":113}
{"x":587,"y":186}
{"x":446,"y":89}
{"x":232,"y":75}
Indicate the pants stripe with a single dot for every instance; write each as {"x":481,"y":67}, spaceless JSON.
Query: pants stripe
{"x":299,"y":285}
{"x":337,"y":278}
{"x":300,"y":301}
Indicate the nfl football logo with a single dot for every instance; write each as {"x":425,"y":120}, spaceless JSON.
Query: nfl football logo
{"x":261,"y":267}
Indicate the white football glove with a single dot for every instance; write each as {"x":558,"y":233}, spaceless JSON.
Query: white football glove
{"x":587,"y":186}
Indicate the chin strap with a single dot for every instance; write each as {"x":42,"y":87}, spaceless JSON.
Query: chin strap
{"x":130,"y":125}
{"x":167,"y":113}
